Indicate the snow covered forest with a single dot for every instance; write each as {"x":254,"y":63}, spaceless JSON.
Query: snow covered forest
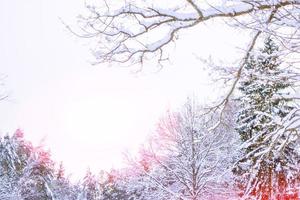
{"x":244,"y":145}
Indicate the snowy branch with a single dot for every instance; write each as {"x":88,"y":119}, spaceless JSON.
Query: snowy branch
{"x":133,"y":31}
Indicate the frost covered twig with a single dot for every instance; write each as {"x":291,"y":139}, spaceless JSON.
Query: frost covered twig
{"x":133,"y":31}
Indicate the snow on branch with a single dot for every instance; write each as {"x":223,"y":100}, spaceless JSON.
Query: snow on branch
{"x":3,"y":93}
{"x":133,"y":31}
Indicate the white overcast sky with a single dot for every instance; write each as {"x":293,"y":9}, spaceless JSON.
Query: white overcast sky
{"x":88,"y":115}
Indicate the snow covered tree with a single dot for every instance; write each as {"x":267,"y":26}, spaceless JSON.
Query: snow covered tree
{"x":112,"y":187}
{"x":141,"y":180}
{"x":38,"y":176}
{"x":26,"y":172}
{"x":91,"y":187}
{"x":63,"y":189}
{"x":270,"y":161}
{"x":188,"y":159}
{"x":14,"y":154}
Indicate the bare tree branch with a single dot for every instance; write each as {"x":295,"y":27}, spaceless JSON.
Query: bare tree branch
{"x":133,"y":32}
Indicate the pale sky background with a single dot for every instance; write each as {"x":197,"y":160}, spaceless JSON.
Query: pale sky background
{"x":89,"y":115}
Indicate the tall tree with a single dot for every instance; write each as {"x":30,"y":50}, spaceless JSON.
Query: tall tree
{"x":14,"y":155}
{"x":63,"y":189}
{"x":188,"y":158}
{"x":113,"y":187}
{"x":26,"y":172}
{"x":38,"y":176}
{"x":269,"y":165}
{"x":91,"y":187}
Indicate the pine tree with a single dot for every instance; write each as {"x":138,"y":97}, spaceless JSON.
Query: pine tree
{"x":63,"y":188}
{"x":14,"y":154}
{"x":265,"y":166}
{"x":27,"y":172}
{"x":113,"y":188}
{"x":38,"y":176}
{"x":91,"y":187}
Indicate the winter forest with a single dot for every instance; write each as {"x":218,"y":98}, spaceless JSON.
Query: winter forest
{"x":245,"y":144}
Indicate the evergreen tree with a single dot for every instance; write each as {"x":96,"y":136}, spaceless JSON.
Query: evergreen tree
{"x":63,"y":189}
{"x":26,"y":172}
{"x":38,"y":177}
{"x":269,"y":155}
{"x":14,"y":154}
{"x":91,"y":187}
{"x":112,"y":187}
